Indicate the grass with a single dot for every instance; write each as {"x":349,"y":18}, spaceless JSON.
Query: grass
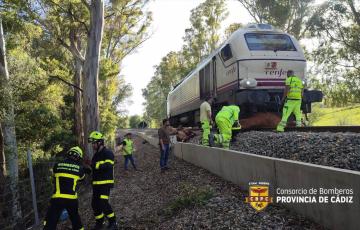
{"x":335,"y":116}
{"x":190,"y":197}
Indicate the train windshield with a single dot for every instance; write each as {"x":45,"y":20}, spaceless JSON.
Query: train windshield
{"x":275,"y":42}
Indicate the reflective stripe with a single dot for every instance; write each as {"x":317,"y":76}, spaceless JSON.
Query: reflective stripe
{"x":103,"y":162}
{"x":111,"y":215}
{"x":57,"y":182}
{"x":66,"y":196}
{"x":81,"y":228}
{"x":99,"y":216}
{"x":68,"y":175}
{"x":104,"y":197}
{"x":295,"y":86}
{"x":44,"y":222}
{"x":57,"y":185}
{"x":103,"y":182}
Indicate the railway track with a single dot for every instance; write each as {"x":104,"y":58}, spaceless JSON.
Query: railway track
{"x":333,"y":129}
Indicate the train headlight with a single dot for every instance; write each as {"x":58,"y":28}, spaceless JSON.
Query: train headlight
{"x":248,"y":83}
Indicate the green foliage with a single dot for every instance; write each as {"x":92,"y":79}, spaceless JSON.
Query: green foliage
{"x":167,"y":74}
{"x":125,"y":28}
{"x":112,"y":92}
{"x":232,"y":28}
{"x":349,"y":115}
{"x":315,"y":115}
{"x":44,"y":39}
{"x":337,"y":29}
{"x":199,"y":41}
{"x":291,"y":16}
{"x":134,"y":121}
{"x":203,"y":35}
{"x":190,"y":197}
{"x":41,"y":112}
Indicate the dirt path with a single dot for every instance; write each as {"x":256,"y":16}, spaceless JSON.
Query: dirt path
{"x":184,"y":197}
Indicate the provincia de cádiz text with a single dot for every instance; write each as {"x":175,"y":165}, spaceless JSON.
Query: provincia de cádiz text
{"x":315,"y":195}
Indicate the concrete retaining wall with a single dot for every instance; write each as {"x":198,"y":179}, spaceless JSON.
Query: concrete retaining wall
{"x":153,"y":141}
{"x":242,"y":168}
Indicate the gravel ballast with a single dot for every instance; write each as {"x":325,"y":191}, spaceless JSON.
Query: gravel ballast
{"x":341,"y":150}
{"x":184,"y":197}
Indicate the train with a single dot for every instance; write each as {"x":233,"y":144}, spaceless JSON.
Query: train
{"x":248,"y":69}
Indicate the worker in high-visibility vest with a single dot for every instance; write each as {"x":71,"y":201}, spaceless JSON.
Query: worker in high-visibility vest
{"x":293,"y":94}
{"x":66,"y":174}
{"x":127,"y":150}
{"x":225,"y":119}
{"x":102,"y":165}
{"x":206,"y":120}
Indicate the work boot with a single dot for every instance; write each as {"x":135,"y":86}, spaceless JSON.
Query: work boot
{"x":112,"y":225}
{"x":99,"y":225}
{"x":211,"y":140}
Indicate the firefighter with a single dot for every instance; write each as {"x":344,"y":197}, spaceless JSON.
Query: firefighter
{"x":293,"y":93}
{"x":102,"y":165}
{"x":66,"y":174}
{"x":205,"y":119}
{"x":128,"y":149}
{"x":225,"y":119}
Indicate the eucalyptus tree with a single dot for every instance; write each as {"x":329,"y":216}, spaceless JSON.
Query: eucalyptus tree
{"x":291,"y":16}
{"x":8,"y":132}
{"x":78,"y":27}
{"x":200,"y":39}
{"x":337,"y":29}
{"x":203,"y":36}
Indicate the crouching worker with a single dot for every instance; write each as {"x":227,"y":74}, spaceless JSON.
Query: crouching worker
{"x":66,"y":174}
{"x":225,"y":119}
{"x":127,"y":150}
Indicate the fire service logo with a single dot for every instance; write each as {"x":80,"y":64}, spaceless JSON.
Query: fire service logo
{"x":259,"y":195}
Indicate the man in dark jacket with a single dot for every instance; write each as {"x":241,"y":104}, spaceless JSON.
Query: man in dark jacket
{"x":66,"y":174}
{"x":102,"y":166}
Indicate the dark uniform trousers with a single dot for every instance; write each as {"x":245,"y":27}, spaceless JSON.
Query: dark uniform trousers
{"x":100,"y":203}
{"x":57,"y":205}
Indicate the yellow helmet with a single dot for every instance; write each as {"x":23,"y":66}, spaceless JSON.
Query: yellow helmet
{"x":75,"y":152}
{"x":95,"y":136}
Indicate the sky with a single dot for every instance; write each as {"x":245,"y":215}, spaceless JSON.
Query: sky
{"x":170,"y":19}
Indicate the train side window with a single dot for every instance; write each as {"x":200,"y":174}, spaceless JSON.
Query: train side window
{"x":204,"y":76}
{"x":226,"y":53}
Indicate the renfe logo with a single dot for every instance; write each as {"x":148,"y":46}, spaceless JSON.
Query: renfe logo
{"x":271,"y":70}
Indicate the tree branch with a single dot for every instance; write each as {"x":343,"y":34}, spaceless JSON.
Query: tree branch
{"x":66,"y":82}
{"x":356,"y":14}
{"x":248,"y":8}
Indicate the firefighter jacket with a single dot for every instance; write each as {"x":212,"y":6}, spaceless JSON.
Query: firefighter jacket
{"x":102,"y":165}
{"x":67,"y":173}
{"x":295,"y":87}
{"x":128,"y":147}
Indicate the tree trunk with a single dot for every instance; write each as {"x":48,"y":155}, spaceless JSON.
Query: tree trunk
{"x":91,"y":70}
{"x":78,"y":122}
{"x":2,"y":157}
{"x":8,"y":126}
